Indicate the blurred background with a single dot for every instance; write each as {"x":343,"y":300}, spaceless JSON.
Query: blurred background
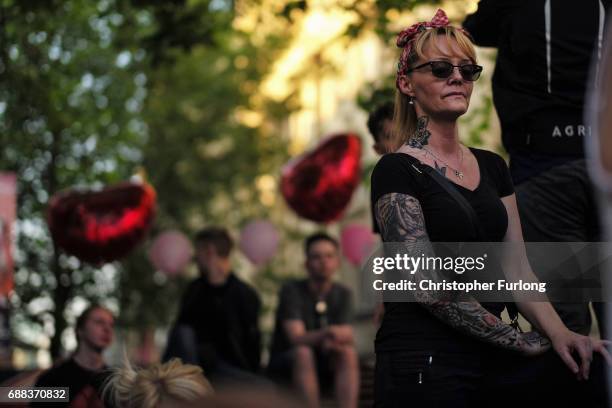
{"x":205,"y":100}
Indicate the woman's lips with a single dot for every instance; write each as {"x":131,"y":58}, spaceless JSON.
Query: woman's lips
{"x":455,"y":94}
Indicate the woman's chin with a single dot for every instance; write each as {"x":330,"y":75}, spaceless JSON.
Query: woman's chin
{"x":451,"y":114}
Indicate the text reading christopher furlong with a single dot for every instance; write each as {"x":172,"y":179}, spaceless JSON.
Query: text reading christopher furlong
{"x":428,"y":264}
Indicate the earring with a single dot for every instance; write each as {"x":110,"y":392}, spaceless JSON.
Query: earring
{"x":411,"y":100}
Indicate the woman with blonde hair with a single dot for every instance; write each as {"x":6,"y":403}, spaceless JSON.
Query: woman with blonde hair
{"x":159,"y":386}
{"x":437,"y":350}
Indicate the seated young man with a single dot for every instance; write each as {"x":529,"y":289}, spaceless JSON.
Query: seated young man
{"x":218,"y":322}
{"x":85,"y":372}
{"x":313,"y":341}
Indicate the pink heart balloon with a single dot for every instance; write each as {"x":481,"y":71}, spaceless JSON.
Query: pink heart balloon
{"x":356,"y":241}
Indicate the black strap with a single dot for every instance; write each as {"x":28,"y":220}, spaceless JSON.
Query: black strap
{"x":469,"y":210}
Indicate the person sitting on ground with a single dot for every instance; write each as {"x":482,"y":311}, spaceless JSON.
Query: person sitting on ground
{"x":85,"y":371}
{"x":217,"y":326}
{"x":313,"y":341}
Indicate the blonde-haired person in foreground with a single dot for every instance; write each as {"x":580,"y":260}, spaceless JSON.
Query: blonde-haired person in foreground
{"x":159,"y":386}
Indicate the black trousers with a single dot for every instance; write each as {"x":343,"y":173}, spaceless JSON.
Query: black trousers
{"x":426,"y":379}
{"x":559,"y":205}
{"x":440,"y":380}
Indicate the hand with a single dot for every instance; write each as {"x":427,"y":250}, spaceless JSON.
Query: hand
{"x":534,"y":344}
{"x":329,"y":345}
{"x":599,"y":346}
{"x":567,"y":342}
{"x":340,"y":334}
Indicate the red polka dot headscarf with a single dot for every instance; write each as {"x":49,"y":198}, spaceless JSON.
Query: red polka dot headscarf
{"x":406,"y":38}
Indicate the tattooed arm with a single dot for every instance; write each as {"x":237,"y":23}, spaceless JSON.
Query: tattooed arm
{"x":400,"y":219}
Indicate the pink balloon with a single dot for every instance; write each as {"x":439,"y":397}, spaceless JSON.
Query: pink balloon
{"x":171,"y":252}
{"x":356,"y":242}
{"x":259,"y":241}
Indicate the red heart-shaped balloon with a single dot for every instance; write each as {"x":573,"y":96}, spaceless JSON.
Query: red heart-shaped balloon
{"x":101,"y":226}
{"x":319,"y":184}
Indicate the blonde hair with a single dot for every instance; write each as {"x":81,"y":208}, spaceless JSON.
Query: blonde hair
{"x":151,"y":387}
{"x":404,"y":115}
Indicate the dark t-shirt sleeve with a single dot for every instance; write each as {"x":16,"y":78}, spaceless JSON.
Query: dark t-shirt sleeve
{"x":505,"y":187}
{"x":289,"y":303}
{"x":56,"y":376}
{"x":394,"y":173}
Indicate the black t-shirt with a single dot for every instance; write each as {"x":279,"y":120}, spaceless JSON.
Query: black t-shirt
{"x":225,"y":319}
{"x":445,"y":221}
{"x":84,"y":385}
{"x":297,"y":302}
{"x":408,"y":325}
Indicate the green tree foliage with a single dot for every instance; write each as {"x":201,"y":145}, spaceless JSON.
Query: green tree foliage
{"x":70,"y":117}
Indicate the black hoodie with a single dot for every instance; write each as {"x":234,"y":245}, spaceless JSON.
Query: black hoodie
{"x":545,"y":49}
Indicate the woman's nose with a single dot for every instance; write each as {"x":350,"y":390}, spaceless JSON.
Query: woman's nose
{"x":456,"y":74}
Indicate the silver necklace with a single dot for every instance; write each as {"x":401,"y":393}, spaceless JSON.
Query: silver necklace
{"x":458,"y":173}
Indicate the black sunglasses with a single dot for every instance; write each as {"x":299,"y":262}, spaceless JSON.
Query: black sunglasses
{"x":444,"y":69}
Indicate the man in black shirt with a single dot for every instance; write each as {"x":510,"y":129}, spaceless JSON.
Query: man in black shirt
{"x":313,"y":341}
{"x":85,"y":372}
{"x":545,"y":49}
{"x":218,"y":318}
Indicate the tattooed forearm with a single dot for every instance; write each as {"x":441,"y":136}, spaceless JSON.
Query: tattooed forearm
{"x":401,"y":220}
{"x":536,"y":340}
{"x":472,"y":319}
